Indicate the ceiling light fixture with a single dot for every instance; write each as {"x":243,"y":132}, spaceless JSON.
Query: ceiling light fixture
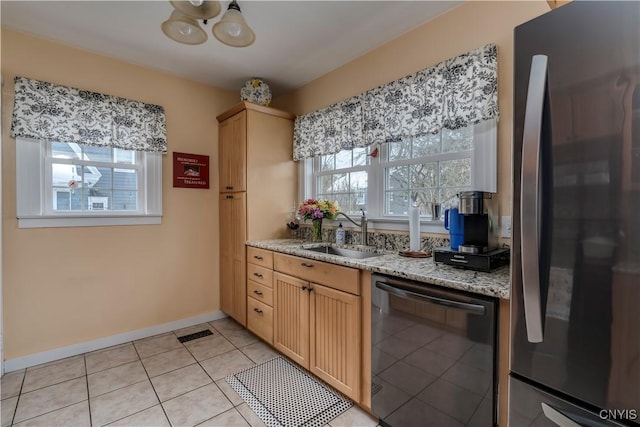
{"x":183,"y":26}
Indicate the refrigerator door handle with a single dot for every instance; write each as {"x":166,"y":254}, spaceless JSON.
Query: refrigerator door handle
{"x":530,"y":199}
{"x":558,"y":417}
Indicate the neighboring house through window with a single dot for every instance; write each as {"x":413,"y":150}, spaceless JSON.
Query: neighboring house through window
{"x":69,"y":184}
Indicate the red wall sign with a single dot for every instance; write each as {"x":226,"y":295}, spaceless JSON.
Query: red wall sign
{"x":190,"y":170}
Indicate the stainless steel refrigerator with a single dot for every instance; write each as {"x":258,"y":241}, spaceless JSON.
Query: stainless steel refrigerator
{"x":575,"y":307}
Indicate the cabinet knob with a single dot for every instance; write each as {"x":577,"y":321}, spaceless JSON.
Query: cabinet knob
{"x":229,"y":196}
{"x":229,"y":188}
{"x":304,"y":288}
{"x":259,"y":258}
{"x":257,"y":310}
{"x":258,"y":275}
{"x":257,"y":293}
{"x":310,"y":288}
{"x":304,"y":264}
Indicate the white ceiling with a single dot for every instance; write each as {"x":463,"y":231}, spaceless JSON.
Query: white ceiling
{"x":296,"y":41}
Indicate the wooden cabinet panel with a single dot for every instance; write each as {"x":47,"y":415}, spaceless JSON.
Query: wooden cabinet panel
{"x":254,"y":142}
{"x":233,"y":153}
{"x":260,"y":319}
{"x":291,"y":318}
{"x":260,"y":274}
{"x":233,"y":294}
{"x":335,"y":339}
{"x":335,"y":276}
{"x":260,"y":257}
{"x":260,"y":292}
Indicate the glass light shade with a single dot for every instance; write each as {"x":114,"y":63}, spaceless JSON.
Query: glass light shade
{"x":233,"y":30}
{"x":198,"y":9}
{"x":183,"y":29}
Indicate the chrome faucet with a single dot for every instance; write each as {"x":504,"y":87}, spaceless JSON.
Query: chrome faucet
{"x":362,"y":225}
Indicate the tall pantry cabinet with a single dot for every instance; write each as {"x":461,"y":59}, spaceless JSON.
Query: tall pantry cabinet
{"x":258,"y":186}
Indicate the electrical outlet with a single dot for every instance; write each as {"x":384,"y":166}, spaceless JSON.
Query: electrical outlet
{"x":506,"y":226}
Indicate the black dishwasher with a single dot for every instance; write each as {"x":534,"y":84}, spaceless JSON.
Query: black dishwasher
{"x":434,"y":359}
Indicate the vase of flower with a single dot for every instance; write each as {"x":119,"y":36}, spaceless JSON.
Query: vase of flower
{"x":316,"y":211}
{"x":316,"y":229}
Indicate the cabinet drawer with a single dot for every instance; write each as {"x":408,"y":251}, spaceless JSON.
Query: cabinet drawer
{"x":260,"y":274}
{"x":260,"y":257}
{"x":260,"y":319}
{"x":334,"y":276}
{"x":260,"y":292}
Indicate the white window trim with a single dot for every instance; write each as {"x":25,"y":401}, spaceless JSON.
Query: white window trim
{"x":484,"y":160}
{"x":32,"y":197}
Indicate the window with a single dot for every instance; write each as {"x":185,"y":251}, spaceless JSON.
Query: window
{"x":343,"y":177}
{"x":70,"y":184}
{"x":425,"y":169}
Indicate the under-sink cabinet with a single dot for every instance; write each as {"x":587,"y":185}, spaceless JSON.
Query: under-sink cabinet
{"x":317,"y":319}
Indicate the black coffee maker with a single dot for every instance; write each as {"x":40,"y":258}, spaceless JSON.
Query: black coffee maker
{"x":476,"y":222}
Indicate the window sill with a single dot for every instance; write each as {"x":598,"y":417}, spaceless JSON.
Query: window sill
{"x":87,"y":221}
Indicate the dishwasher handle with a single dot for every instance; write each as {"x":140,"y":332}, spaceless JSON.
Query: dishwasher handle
{"x":422,"y":296}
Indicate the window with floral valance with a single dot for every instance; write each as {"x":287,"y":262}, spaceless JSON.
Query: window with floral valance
{"x":453,"y":94}
{"x":49,"y":112}
{"x":84,"y":158}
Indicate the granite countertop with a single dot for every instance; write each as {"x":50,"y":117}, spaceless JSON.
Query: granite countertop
{"x":494,"y":284}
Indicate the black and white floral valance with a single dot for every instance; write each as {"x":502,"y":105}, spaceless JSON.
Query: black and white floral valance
{"x":455,"y":93}
{"x":50,"y":112}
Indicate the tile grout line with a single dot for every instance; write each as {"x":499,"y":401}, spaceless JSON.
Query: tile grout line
{"x":86,"y":378}
{"x":15,"y":410}
{"x":234,"y":407}
{"x":152,"y":387}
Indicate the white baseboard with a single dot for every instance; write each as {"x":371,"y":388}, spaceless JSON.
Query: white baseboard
{"x":72,"y":350}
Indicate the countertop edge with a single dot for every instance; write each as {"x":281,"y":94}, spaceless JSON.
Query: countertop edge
{"x":495,"y":284}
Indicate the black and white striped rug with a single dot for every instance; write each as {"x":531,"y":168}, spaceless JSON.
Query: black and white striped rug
{"x":284,"y":395}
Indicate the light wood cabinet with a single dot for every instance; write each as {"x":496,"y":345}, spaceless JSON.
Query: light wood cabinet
{"x":255,"y":168}
{"x":260,"y":293}
{"x":233,"y":295}
{"x":317,"y":326}
{"x":334,"y":353}
{"x":291,"y":318}
{"x":232,"y":160}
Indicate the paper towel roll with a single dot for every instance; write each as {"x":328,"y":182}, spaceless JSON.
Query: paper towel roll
{"x":414,"y":228}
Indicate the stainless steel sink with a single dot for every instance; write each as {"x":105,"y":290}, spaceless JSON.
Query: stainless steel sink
{"x":348,"y":253}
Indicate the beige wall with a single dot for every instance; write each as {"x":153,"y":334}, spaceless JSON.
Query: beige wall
{"x":467,"y":27}
{"x":64,"y":286}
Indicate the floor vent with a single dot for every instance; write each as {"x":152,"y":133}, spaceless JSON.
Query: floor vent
{"x":375,"y":388}
{"x":195,"y":336}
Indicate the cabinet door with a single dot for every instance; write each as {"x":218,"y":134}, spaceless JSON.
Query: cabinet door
{"x":233,"y":288}
{"x":291,"y":318}
{"x":335,"y":339}
{"x":232,"y":154}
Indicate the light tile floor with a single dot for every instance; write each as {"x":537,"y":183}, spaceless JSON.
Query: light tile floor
{"x":157,"y":381}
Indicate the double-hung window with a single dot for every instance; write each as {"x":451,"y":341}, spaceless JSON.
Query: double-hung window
{"x":420,"y":139}
{"x":85,"y":158}
{"x":343,"y":177}
{"x":70,"y":184}
{"x":386,"y":179}
{"x":425,"y":170}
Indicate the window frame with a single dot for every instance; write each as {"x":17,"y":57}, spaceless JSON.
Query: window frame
{"x":35,"y":199}
{"x":483,"y":178}
{"x":316,"y":173}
